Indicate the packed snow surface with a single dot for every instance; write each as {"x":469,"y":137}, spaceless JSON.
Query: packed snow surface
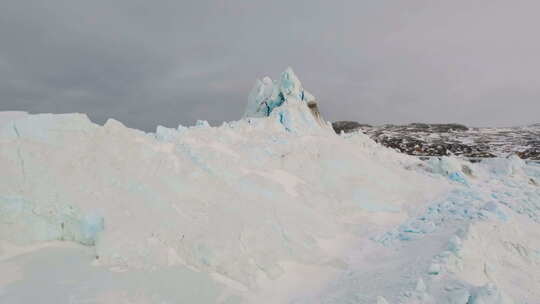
{"x":273,"y":208}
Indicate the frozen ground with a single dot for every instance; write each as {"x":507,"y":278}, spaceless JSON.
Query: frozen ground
{"x":445,"y":139}
{"x":273,"y":208}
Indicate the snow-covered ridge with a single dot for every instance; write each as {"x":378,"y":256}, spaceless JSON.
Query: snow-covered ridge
{"x":273,"y":208}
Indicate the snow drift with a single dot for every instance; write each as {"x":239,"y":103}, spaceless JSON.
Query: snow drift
{"x":273,"y":208}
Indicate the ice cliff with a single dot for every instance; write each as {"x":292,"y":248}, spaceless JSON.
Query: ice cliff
{"x":272,"y":208}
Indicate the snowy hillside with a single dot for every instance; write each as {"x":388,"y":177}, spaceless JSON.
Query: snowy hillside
{"x":273,"y":208}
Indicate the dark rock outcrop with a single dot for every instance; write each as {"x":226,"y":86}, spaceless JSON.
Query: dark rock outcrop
{"x":423,"y":139}
{"x":347,"y":126}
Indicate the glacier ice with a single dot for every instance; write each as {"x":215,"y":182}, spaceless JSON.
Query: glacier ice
{"x":272,"y":208}
{"x":46,"y":222}
{"x":458,"y":295}
{"x":381,"y":300}
{"x":488,"y":294}
{"x":268,"y":94}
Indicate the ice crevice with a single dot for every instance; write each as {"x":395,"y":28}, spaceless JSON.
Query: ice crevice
{"x":19,"y":154}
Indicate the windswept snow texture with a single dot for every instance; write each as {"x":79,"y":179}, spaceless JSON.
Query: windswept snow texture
{"x":272,"y":209}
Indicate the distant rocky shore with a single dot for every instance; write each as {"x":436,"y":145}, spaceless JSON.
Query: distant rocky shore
{"x":423,"y":139}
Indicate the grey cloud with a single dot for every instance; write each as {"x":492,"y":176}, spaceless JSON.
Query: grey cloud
{"x":170,"y":62}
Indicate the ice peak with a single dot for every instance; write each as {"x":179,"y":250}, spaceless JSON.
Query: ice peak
{"x":290,"y":85}
{"x":268,"y":94}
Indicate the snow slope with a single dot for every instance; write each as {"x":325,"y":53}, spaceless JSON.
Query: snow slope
{"x":272,"y":208}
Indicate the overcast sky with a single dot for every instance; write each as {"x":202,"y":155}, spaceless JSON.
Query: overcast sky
{"x":172,"y":62}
